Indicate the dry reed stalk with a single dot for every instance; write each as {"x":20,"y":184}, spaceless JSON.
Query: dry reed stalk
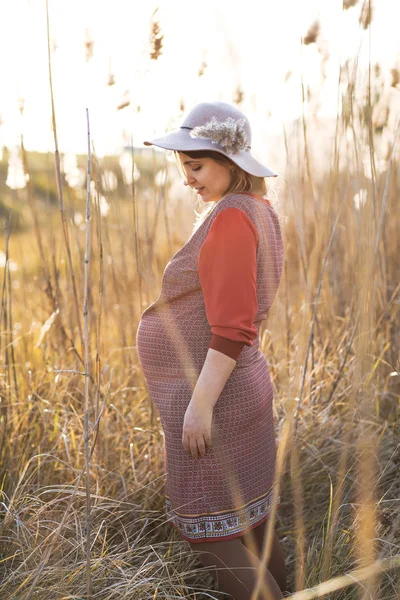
{"x":133,"y":313}
{"x":298,"y":501}
{"x":59,"y":185}
{"x":371,"y":144}
{"x":298,"y":228}
{"x":337,"y":501}
{"x":135,"y":219}
{"x":5,"y":398}
{"x":166,"y":221}
{"x":160,"y":203}
{"x":377,"y":235}
{"x":354,"y":576}
{"x":44,"y":265}
{"x":342,"y":468}
{"x":349,"y":119}
{"x":97,"y":325}
{"x":283,"y":450}
{"x":50,"y":549}
{"x":10,"y":342}
{"x":366,"y":533}
{"x":99,"y":310}
{"x":32,"y":203}
{"x":314,"y":316}
{"x":146,"y":266}
{"x":87,"y":434}
{"x":119,"y":282}
{"x":367,"y":442}
{"x":305,"y":137}
{"x":87,"y":365}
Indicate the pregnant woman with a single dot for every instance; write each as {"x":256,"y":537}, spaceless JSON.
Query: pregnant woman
{"x":198,"y":345}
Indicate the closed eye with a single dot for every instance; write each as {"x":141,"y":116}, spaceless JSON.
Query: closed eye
{"x":198,"y":169}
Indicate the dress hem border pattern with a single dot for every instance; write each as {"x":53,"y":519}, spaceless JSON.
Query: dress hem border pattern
{"x":221,"y":525}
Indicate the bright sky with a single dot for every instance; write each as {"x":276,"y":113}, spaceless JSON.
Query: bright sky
{"x":251,"y":44}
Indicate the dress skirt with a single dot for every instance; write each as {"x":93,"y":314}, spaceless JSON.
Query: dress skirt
{"x":230,"y":489}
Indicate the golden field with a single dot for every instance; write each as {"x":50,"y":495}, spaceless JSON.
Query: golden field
{"x":81,"y":445}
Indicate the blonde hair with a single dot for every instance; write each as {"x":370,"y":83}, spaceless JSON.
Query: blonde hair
{"x":241,"y":181}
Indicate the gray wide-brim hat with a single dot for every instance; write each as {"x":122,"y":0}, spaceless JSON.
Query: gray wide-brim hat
{"x":217,"y":126}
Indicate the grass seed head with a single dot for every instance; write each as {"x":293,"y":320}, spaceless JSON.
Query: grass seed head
{"x":202,"y":68}
{"x":395,"y":73}
{"x":156,"y":39}
{"x":366,"y":14}
{"x":349,"y":3}
{"x":238,"y":95}
{"x":312,"y":34}
{"x":89,"y":46}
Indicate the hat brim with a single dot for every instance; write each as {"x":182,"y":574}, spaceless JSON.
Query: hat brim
{"x":180,"y":141}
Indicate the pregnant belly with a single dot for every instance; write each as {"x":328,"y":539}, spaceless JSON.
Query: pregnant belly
{"x":169,"y":347}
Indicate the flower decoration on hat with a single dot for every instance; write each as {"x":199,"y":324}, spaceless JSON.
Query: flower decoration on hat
{"x":229,"y":134}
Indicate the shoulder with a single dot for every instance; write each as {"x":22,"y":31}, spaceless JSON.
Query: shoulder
{"x":235,"y":199}
{"x":236,"y":207}
{"x":247,"y":210}
{"x":233,"y":221}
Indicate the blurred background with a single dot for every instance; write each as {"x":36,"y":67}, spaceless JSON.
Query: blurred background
{"x":320,"y":83}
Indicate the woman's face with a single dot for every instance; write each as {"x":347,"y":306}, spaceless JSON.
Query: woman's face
{"x":207,"y":174}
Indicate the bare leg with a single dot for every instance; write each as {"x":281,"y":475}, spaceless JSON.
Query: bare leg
{"x":254,"y":539}
{"x":234,"y":568}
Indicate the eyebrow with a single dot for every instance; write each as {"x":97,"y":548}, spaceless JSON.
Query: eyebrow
{"x":191,"y":161}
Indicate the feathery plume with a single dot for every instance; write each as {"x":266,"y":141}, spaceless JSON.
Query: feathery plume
{"x":349,"y":3}
{"x":89,"y":46}
{"x":238,"y":96}
{"x":156,"y":38}
{"x":229,"y":134}
{"x":312,"y":34}
{"x":111,"y":77}
{"x":202,"y":68}
{"x":395,"y":73}
{"x":124,"y":102}
{"x":366,"y":14}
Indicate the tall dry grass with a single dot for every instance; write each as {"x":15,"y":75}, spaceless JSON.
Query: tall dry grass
{"x":82,"y":477}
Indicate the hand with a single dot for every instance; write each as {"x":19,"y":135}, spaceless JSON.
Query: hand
{"x":197,"y":429}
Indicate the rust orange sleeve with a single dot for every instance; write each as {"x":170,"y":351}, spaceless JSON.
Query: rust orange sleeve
{"x":228,"y":277}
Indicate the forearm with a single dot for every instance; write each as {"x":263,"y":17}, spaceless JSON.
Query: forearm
{"x":212,"y":379}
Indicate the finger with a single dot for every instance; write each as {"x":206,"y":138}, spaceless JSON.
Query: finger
{"x":208,"y":440}
{"x":185,"y":443}
{"x":193,"y":447}
{"x":201,"y":446}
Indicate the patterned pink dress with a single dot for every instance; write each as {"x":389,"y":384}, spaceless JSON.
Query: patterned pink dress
{"x":215,"y":292}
